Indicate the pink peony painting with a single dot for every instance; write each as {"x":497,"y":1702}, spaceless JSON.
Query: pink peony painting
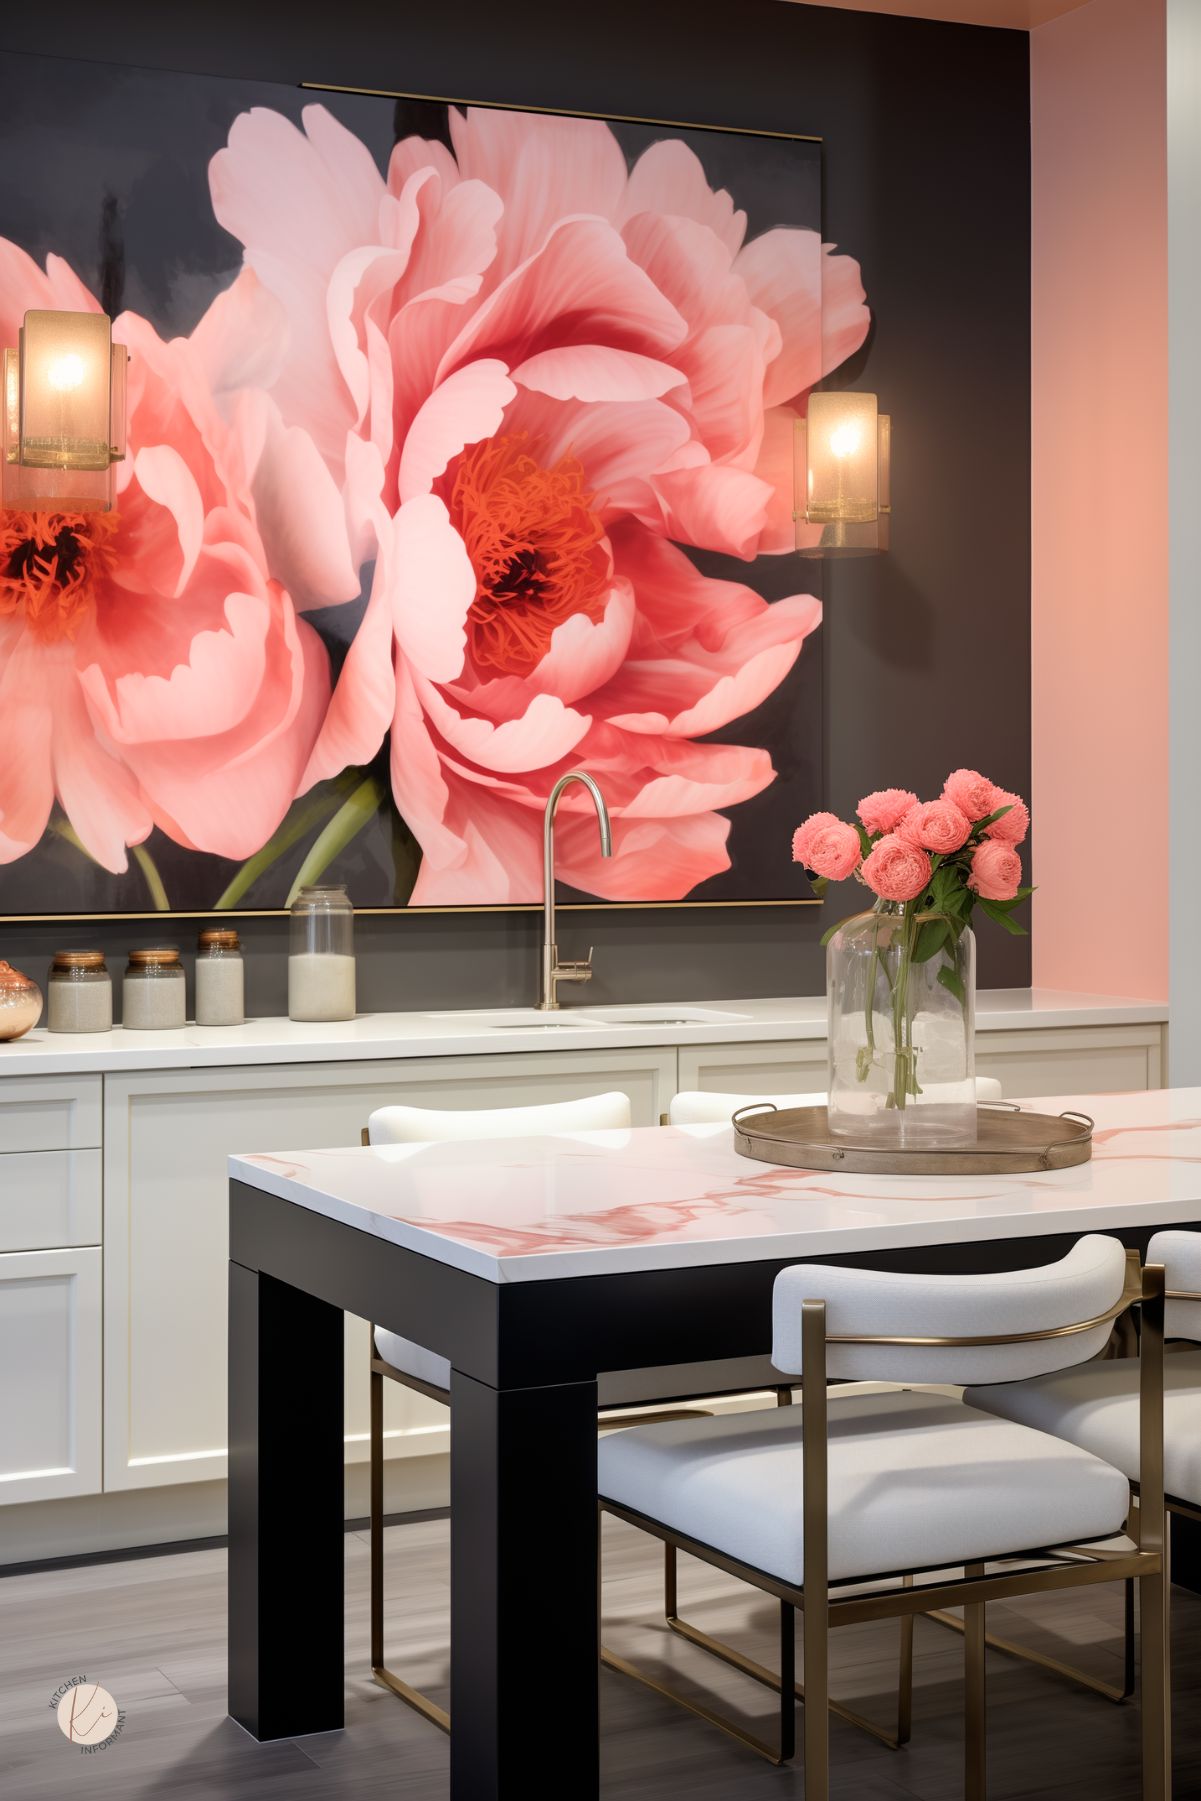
{"x":459,"y":456}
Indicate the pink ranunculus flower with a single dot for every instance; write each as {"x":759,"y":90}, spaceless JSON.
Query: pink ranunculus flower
{"x":996,"y":872}
{"x":936,"y":825}
{"x":971,"y":792}
{"x":832,"y":849}
{"x":884,"y":810}
{"x":802,"y":838}
{"x":1013,"y":826}
{"x":152,"y":670}
{"x":896,"y":870}
{"x":534,"y":372}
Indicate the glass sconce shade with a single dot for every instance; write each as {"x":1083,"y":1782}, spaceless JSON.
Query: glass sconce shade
{"x":842,"y":499}
{"x":64,"y":413}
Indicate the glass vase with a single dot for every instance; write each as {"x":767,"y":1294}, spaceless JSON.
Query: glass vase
{"x":902,"y":1030}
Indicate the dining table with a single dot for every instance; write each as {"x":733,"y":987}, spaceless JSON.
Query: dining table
{"x":536,"y":1266}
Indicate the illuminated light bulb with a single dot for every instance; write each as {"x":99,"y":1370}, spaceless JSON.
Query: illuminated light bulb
{"x":844,"y":441}
{"x":66,"y":372}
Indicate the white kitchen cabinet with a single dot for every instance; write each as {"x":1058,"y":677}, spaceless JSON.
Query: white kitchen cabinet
{"x":48,"y":1199}
{"x":790,"y":1066}
{"x":166,"y":1139}
{"x":49,"y":1374}
{"x":49,"y":1113}
{"x":1108,"y":1059}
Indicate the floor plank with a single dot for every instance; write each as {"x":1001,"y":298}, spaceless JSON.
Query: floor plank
{"x":153,"y":1632}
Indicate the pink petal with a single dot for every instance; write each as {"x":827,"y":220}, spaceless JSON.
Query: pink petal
{"x":653,"y":859}
{"x":777,"y":467}
{"x":596,"y":372}
{"x":418,"y":783}
{"x":500,"y":859}
{"x":715,"y":507}
{"x":432,"y":586}
{"x":467,"y":407}
{"x":242,"y":340}
{"x":413,"y":155}
{"x":620,"y":445}
{"x":669,"y":178}
{"x":544,"y":732}
{"x":365,"y":696}
{"x":301,"y":517}
{"x":584,"y":654}
{"x":26,"y":704}
{"x":815,"y":298}
{"x":166,"y":480}
{"x":704,"y":651}
{"x":580,"y":287}
{"x":544,"y":169}
{"x":99,"y":795}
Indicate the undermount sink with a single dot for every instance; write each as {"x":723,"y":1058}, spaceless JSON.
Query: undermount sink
{"x":511,"y":1019}
{"x":664,"y":1014}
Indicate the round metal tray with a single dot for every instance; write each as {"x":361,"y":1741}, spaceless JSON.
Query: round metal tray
{"x":1009,"y":1142}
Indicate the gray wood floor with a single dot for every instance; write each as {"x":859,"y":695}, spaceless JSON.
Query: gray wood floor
{"x":152,"y":1631}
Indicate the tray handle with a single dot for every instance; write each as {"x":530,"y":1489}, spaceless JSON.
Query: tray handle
{"x":1059,"y":1143}
{"x":739,"y":1114}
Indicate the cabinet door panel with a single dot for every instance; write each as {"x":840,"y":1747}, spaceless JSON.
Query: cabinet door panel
{"x":49,"y":1374}
{"x":167,"y":1137}
{"x":790,"y":1067}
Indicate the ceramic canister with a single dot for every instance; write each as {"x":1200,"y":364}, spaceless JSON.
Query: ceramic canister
{"x":20,"y":1002}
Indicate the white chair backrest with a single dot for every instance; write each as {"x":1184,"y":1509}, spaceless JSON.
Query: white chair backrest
{"x":868,"y":1303}
{"x":696,"y":1107}
{"x":435,"y":1125}
{"x":1180,"y":1254}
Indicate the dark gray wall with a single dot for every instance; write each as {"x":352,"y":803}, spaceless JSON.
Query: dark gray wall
{"x":926,"y":130}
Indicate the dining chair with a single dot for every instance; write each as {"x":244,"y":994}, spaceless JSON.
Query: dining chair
{"x":1096,"y":1406}
{"x":705,"y":1107}
{"x":825,"y":1506}
{"x":402,"y":1360}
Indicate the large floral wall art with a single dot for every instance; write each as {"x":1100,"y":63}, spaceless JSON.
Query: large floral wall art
{"x":459,"y":456}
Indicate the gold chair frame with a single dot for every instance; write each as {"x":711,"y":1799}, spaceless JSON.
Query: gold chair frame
{"x":1110,"y":1691}
{"x":822,"y":1606}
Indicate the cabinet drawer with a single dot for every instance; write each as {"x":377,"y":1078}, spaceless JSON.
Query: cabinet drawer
{"x":49,"y":1113}
{"x":49,"y":1198}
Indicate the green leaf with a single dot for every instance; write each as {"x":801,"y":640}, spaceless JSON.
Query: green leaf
{"x":830,"y":931}
{"x":819,"y":884}
{"x":865,"y":842}
{"x":863,"y":1062}
{"x":996,"y":911}
{"x":982,"y":824}
{"x":930,"y":940}
{"x":297,"y":824}
{"x":950,"y":978}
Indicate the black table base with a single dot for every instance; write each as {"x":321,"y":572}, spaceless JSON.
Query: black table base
{"x":525,"y":1358}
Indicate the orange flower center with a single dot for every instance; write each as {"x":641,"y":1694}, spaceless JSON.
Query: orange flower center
{"x":537,"y":548}
{"x":49,"y":567}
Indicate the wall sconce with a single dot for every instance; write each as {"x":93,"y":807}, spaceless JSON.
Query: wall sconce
{"x":842,"y":502}
{"x":64,"y":414}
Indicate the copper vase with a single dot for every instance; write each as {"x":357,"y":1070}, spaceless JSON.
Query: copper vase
{"x":20,"y":1003}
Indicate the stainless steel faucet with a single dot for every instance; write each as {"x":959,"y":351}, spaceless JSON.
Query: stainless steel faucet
{"x":554,"y":972}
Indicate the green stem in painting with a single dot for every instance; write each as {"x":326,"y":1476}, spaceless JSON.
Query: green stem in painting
{"x":299,"y":822}
{"x":346,"y":823}
{"x":66,"y":831}
{"x":154,"y":880}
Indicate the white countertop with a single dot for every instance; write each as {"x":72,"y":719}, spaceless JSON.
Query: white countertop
{"x":657,"y":1197}
{"x":469,"y":1032}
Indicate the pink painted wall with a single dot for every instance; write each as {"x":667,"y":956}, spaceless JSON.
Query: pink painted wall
{"x":1100,"y":499}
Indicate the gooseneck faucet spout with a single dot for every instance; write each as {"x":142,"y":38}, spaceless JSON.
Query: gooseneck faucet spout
{"x":554,"y":972}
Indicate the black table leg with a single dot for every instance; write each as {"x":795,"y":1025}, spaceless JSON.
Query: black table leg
{"x":523,"y":1581}
{"x":285,"y":1508}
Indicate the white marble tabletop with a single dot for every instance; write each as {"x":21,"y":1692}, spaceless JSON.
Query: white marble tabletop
{"x":604,"y":1203}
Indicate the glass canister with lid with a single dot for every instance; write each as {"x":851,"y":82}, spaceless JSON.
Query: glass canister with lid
{"x":79,"y":994}
{"x":220,"y":985}
{"x":321,"y":980}
{"x":154,"y":993}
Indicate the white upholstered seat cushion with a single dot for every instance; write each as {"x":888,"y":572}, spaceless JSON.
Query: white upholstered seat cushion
{"x":916,"y":1481}
{"x":1095,"y":1406}
{"x":412,"y":1358}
